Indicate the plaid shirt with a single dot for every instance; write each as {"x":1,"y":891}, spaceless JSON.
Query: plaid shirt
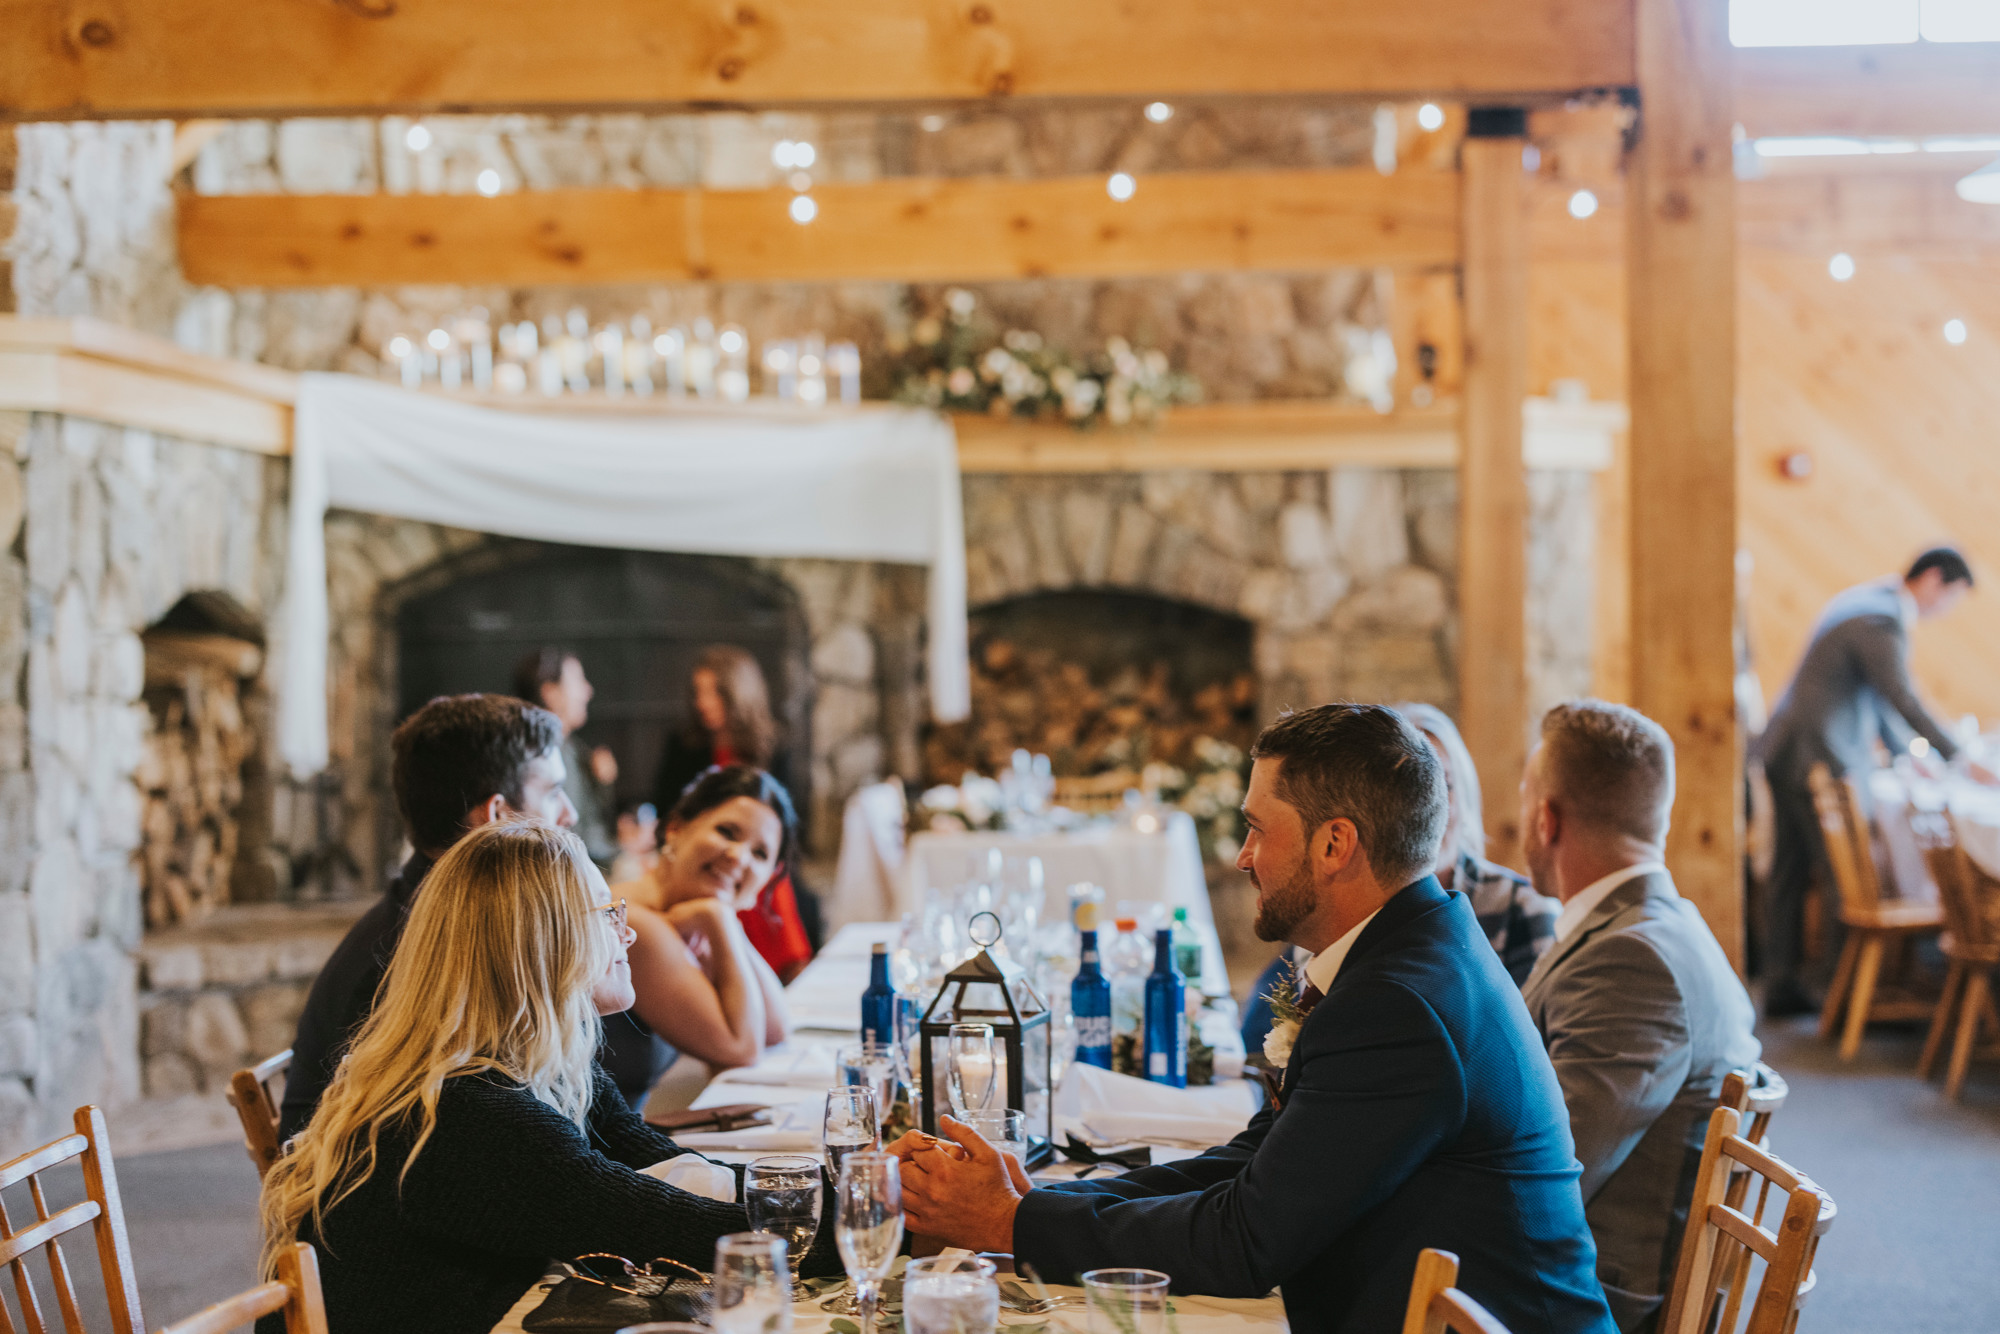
{"x":1520,"y":923}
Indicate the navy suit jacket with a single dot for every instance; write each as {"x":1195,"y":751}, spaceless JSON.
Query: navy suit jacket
{"x":1418,"y":1109}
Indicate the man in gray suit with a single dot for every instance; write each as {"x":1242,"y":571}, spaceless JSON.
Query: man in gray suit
{"x":1852,"y":687}
{"x":1639,"y":1008}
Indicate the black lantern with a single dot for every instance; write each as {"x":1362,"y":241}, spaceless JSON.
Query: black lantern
{"x":999,"y":994}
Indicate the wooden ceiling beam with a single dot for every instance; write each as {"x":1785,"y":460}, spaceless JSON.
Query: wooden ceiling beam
{"x":198,"y":58}
{"x":1927,"y":88}
{"x":914,"y":229}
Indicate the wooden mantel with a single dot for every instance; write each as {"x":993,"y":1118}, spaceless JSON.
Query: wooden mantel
{"x":88,"y":368}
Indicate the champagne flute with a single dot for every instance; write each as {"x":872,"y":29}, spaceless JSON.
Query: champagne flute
{"x":782,"y":1195}
{"x":850,"y":1124}
{"x":970,"y":1070}
{"x":868,"y":1224}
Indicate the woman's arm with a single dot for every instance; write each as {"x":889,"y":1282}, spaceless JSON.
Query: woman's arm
{"x":777,"y":1018}
{"x":705,"y":1004}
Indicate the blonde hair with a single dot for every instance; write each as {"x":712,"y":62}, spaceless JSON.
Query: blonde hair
{"x":1433,"y":722}
{"x":494,"y":973}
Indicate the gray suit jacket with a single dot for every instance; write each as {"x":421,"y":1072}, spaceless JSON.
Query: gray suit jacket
{"x":1852,"y":686}
{"x":1642,"y":1016}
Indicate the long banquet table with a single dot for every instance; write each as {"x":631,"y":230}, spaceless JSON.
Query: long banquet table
{"x":792,"y":1078}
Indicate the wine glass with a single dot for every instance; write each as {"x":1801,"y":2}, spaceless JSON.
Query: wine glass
{"x":970,"y":1067}
{"x":782,"y":1195}
{"x":850,"y":1124}
{"x":870,"y":1065}
{"x":868,"y":1224}
{"x":753,"y":1286}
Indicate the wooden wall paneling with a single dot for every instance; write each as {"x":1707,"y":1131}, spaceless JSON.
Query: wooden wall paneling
{"x":1493,"y":482}
{"x":1681,"y":300}
{"x":130,"y":58}
{"x":900,"y":229}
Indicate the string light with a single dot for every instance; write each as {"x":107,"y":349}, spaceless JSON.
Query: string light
{"x":803,"y":209}
{"x":1841,"y":267}
{"x":1121,"y":186}
{"x":1954,"y":332}
{"x":1430,"y":116}
{"x":932,"y":123}
{"x":438,"y":339}
{"x":793,"y":154}
{"x":418,"y":138}
{"x":1582,"y":204}
{"x":1159,"y":112}
{"x":489,"y":182}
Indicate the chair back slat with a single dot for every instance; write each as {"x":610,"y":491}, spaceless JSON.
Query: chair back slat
{"x":1845,"y":831}
{"x":1952,"y":870}
{"x":257,"y":1108}
{"x":1979,"y":902}
{"x":1709,"y":1283}
{"x":1437,"y":1307}
{"x":101,"y":1210}
{"x":295,"y":1291}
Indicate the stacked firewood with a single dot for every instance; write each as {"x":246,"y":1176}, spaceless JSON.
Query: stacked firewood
{"x":192,"y":770}
{"x":1113,"y":724}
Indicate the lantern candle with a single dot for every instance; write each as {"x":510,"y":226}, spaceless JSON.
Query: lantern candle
{"x":999,"y":994}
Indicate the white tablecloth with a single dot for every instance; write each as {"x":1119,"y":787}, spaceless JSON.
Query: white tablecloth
{"x":1163,"y":866}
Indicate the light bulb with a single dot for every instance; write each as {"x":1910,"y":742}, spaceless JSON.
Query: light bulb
{"x":418,"y":138}
{"x":489,"y":182}
{"x":1841,"y":267}
{"x":1121,"y":186}
{"x":399,"y":347}
{"x":932,"y":123}
{"x":1954,"y":332}
{"x":1430,"y":116}
{"x":1159,"y":112}
{"x":803,"y":209}
{"x":803,"y":154}
{"x":1582,"y":204}
{"x":438,"y":339}
{"x":730,"y":340}
{"x":781,"y":154}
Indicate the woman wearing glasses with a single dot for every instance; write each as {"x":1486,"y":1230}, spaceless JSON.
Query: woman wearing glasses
{"x":470,"y":1137}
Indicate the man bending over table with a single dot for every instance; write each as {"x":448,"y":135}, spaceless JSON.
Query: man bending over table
{"x":1417,"y":1107}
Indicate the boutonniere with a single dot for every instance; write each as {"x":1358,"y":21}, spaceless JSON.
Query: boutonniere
{"x":1287,"y":1017}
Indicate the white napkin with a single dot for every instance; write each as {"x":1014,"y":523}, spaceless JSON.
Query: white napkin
{"x":769,"y":1139}
{"x":1087,"y":1090}
{"x":696,"y":1175}
{"x":788,"y":1066}
{"x":1107,"y":1127}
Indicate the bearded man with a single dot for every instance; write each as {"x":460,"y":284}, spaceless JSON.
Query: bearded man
{"x":1417,"y":1107}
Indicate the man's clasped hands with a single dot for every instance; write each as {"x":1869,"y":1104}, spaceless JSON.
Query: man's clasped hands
{"x":960,"y":1189}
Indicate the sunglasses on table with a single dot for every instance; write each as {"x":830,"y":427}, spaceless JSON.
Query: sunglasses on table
{"x":615,"y":1271}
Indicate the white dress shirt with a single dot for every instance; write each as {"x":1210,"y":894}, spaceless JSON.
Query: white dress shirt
{"x":1579,"y":907}
{"x":1323,"y":967}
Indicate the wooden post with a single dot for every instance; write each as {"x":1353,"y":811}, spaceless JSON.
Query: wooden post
{"x":1492,"y":478}
{"x":1681,"y":275}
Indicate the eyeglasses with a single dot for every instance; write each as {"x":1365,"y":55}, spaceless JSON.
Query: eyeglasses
{"x":615,"y":914}
{"x":616,"y":1272}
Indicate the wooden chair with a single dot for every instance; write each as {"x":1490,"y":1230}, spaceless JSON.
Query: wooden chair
{"x":295,"y":1291}
{"x":1757,"y":1094}
{"x":1708,"y":1282}
{"x":250,"y":1094}
{"x":1873,"y":922}
{"x":1436,"y":1306}
{"x":1971,"y":945}
{"x":100,"y":1208}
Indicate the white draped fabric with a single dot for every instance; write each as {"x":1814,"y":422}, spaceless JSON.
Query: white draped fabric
{"x":873,"y":484}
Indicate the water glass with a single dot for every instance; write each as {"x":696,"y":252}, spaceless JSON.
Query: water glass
{"x":1126,"y":1301}
{"x":870,"y":1065}
{"x":970,"y":1068}
{"x":868,"y":1224}
{"x":782,"y":1195}
{"x":753,"y":1285}
{"x":947,"y":1295}
{"x":667,"y":1327}
{"x":849,"y":1126}
{"x":1005,"y":1129}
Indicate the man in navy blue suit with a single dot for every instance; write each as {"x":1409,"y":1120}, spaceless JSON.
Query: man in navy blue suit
{"x":1417,"y":1106}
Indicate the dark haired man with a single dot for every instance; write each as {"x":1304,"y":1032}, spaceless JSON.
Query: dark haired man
{"x":1642,"y":1014}
{"x":460,"y":761}
{"x":554,"y":679}
{"x":1852,"y":688}
{"x":1417,"y":1107}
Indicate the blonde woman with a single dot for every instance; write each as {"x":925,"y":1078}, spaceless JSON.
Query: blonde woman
{"x":470,"y":1137}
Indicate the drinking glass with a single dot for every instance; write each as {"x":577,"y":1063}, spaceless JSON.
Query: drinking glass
{"x":870,"y":1065}
{"x":1126,"y":1301}
{"x":667,"y":1327}
{"x":849,"y":1126}
{"x":1004,"y":1128}
{"x":868,"y":1224}
{"x":782,"y":1195}
{"x":970,"y":1068}
{"x":946,"y":1295}
{"x":753,"y":1285}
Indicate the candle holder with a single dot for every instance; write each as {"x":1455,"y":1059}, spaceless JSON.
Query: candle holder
{"x":998,"y":993}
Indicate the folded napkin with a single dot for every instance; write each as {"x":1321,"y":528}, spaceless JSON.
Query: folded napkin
{"x":1160,"y":1128}
{"x":788,"y":1066}
{"x":1087,"y":1090}
{"x":696,"y":1175}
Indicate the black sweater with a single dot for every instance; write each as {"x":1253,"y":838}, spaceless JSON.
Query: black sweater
{"x":504,"y":1186}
